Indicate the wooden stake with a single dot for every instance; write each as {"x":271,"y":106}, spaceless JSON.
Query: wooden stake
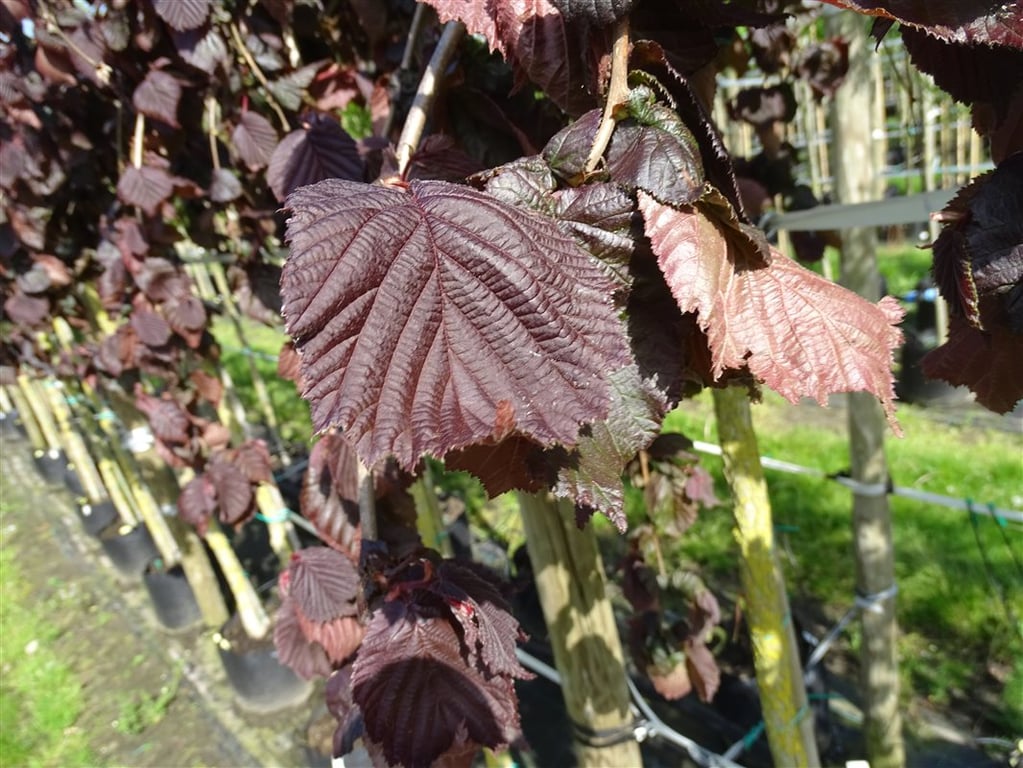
{"x":587,"y":651}
{"x":787,"y":717}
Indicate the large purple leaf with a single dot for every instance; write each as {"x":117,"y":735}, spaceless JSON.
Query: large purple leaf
{"x":595,"y":12}
{"x":802,"y":335}
{"x":182,"y":15}
{"x":324,"y":583}
{"x":204,"y":50}
{"x":235,"y":500}
{"x":254,"y":139}
{"x":157,"y":96}
{"x":436,"y":318}
{"x":320,"y":149}
{"x":418,"y":697}
{"x":197,"y":503}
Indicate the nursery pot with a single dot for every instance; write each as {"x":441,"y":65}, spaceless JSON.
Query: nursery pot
{"x":96,"y":517}
{"x":261,"y":682}
{"x":72,"y":482}
{"x":129,"y":549}
{"x":51,"y":465}
{"x":9,"y":424}
{"x":172,"y":597}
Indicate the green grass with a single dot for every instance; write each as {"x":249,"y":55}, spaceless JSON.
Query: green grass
{"x":951,"y":616}
{"x":265,"y":343}
{"x":40,"y":696}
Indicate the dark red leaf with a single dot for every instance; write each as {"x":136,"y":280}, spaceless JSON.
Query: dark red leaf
{"x":772,"y":47}
{"x":168,"y":420}
{"x":196,"y":503}
{"x":803,"y":335}
{"x":420,"y":314}
{"x":980,"y":250}
{"x":157,"y":96}
{"x":514,"y":463}
{"x":525,"y":183}
{"x":567,"y":151}
{"x":308,"y":659}
{"x":438,"y":157}
{"x":224,"y":186}
{"x":289,"y":89}
{"x":599,"y":216}
{"x":323,"y":583}
{"x":762,"y":106}
{"x":253,"y":458}
{"x":26,"y":310}
{"x":202,"y":48}
{"x":961,"y":21}
{"x":663,"y":161}
{"x":989,"y":363}
{"x":209,"y":387}
{"x":151,"y":329}
{"x":254,"y":139}
{"x":596,"y":12}
{"x":289,"y":366}
{"x":824,"y":66}
{"x":418,"y":697}
{"x":330,"y":493}
{"x":320,"y":149}
{"x":340,"y":638}
{"x":234,"y":492}
{"x":182,"y":14}
{"x":145,"y":187}
{"x":185,"y":314}
{"x":703,"y":669}
{"x":34,"y":281}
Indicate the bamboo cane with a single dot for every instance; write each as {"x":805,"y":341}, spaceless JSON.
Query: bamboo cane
{"x":75,"y":448}
{"x":6,"y":406}
{"x":429,"y":519}
{"x":30,"y":389}
{"x":250,"y":610}
{"x":27,"y":419}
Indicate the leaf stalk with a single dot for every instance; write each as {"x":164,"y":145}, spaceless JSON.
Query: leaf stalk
{"x":617,"y":92}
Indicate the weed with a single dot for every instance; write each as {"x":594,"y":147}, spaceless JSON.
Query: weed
{"x":139,"y":713}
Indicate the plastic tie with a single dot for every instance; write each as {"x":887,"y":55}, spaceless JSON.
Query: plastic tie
{"x":1002,"y":522}
{"x":280,"y":516}
{"x":873,"y":603}
{"x":605,"y":737}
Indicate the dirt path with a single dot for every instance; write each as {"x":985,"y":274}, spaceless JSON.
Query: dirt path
{"x":109,"y":638}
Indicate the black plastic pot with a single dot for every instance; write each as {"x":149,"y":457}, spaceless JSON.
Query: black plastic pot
{"x":96,"y":517}
{"x":261,"y":682}
{"x":72,"y":482}
{"x":51,"y":465}
{"x":172,"y":597}
{"x":9,"y":424}
{"x":129,"y":549}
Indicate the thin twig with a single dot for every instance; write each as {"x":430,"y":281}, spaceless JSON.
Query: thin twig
{"x":418,"y":19}
{"x":138,"y":139}
{"x":415,"y":123}
{"x":617,"y":92}
{"x":211,"y":129}
{"x":236,"y":36}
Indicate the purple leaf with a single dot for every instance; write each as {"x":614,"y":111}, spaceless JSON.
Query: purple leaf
{"x":196,"y":503}
{"x":26,"y":310}
{"x":330,"y":493}
{"x":147,"y":187}
{"x":253,"y":459}
{"x":323,"y":583}
{"x":649,"y":158}
{"x":438,"y":318}
{"x":168,"y":420}
{"x":157,"y":96}
{"x":151,"y":328}
{"x":234,"y":492}
{"x":288,"y":90}
{"x":254,"y":139}
{"x":204,"y":50}
{"x":340,"y":638}
{"x":598,"y":13}
{"x":306,"y":658}
{"x":762,"y":106}
{"x":182,"y":15}
{"x":751,"y":314}
{"x":703,"y":669}
{"x":320,"y":149}
{"x":979,"y":22}
{"x":599,"y":216}
{"x":185,"y":314}
{"x":224,"y":186}
{"x":419,"y":699}
{"x":568,"y":149}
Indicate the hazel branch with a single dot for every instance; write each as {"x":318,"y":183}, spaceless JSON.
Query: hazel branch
{"x":426,"y":93}
{"x":617,"y":92}
{"x":239,"y":44}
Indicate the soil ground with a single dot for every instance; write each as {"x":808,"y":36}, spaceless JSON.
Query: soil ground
{"x":108,"y":636}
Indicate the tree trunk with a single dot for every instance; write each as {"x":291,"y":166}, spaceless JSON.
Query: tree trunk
{"x":788,"y":720}
{"x":587,"y":651}
{"x":855,"y":182}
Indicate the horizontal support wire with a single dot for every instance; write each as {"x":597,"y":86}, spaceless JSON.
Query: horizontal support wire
{"x":878,"y":489}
